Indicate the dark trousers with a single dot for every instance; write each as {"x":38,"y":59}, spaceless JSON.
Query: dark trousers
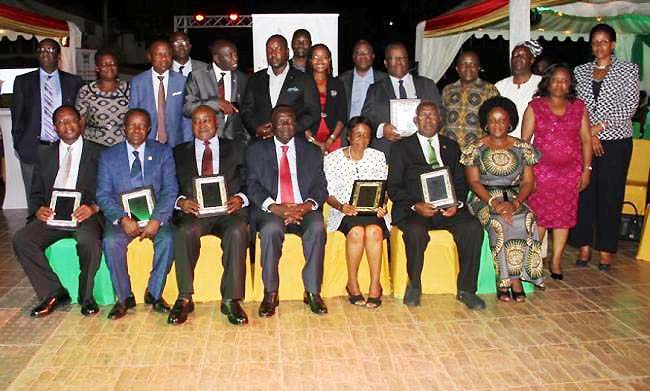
{"x":31,"y":241}
{"x":233,"y":232}
{"x":312,"y":231}
{"x":599,"y":206}
{"x":27,"y":170}
{"x":467,"y":233}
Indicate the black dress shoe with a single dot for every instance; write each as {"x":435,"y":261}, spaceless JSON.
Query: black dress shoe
{"x":232,"y":309}
{"x":118,"y":311}
{"x":315,"y":302}
{"x":472,"y":301}
{"x":51,"y":302}
{"x":161,"y":306}
{"x":130,"y":301}
{"x":89,"y":307}
{"x":412,"y":296}
{"x":582,"y":263}
{"x":269,"y":304}
{"x":148,"y":298}
{"x":178,"y":314}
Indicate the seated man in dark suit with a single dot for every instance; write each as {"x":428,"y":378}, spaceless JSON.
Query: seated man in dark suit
{"x":220,"y":86}
{"x":124,"y":167}
{"x":399,"y":85}
{"x":414,"y":155}
{"x":286,"y":198}
{"x":208,"y":155}
{"x":279,"y":84}
{"x":70,"y":163}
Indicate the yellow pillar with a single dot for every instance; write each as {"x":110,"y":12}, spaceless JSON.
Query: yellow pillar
{"x":644,"y":244}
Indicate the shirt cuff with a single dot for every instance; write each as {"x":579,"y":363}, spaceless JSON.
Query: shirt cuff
{"x":267,"y":202}
{"x":315,"y":205}
{"x":380,"y":130}
{"x":244,"y":198}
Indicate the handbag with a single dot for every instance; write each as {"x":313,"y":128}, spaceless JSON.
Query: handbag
{"x":631,"y":224}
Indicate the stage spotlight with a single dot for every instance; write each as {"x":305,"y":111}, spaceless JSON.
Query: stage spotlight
{"x":233,"y":17}
{"x":199,"y":17}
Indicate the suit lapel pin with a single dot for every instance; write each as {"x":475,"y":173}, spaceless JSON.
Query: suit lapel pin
{"x":149,"y":157}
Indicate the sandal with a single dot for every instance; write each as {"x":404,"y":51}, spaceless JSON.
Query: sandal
{"x":518,"y":297}
{"x":503,"y":294}
{"x":355,"y":299}
{"x":374,"y":302}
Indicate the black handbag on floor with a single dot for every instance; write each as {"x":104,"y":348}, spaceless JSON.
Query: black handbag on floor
{"x":631,"y":225}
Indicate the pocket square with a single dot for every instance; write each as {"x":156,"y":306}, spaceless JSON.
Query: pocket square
{"x":292,"y":89}
{"x":177,"y":93}
{"x":333,"y":93}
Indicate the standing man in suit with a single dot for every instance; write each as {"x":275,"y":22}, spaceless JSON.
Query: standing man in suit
{"x":124,"y":167}
{"x":279,"y":84}
{"x":410,"y":157}
{"x":287,"y":187}
{"x":36,"y":95}
{"x":300,"y":44}
{"x":160,"y":92}
{"x":70,"y":163}
{"x":220,"y":86}
{"x":356,"y":81}
{"x":181,"y":48}
{"x":399,"y":85}
{"x":209,"y":155}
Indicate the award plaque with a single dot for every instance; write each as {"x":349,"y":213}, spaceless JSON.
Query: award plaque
{"x":438,"y":188}
{"x":211,"y":194}
{"x":368,"y":196}
{"x":139,"y":204}
{"x":402,"y":112}
{"x":64,"y":203}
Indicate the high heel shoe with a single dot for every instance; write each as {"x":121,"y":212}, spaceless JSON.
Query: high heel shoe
{"x":355,"y":299}
{"x":518,"y":297}
{"x":503,"y":294}
{"x":557,"y":276}
{"x":374,"y":302}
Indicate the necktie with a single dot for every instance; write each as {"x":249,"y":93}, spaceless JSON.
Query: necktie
{"x":64,"y":171}
{"x":286,"y":189}
{"x":161,"y":133}
{"x":402,"y":90}
{"x":206,"y":163}
{"x":180,"y":69}
{"x":221,"y":87}
{"x":432,"y":158}
{"x":136,"y":171}
{"x":48,"y":109}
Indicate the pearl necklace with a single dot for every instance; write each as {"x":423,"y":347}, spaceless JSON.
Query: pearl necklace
{"x":601,"y":66}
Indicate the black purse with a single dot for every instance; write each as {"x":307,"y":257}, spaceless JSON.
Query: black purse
{"x":631,"y":224}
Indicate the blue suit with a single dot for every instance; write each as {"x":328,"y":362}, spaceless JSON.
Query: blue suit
{"x":179,"y":128}
{"x":112,"y":180}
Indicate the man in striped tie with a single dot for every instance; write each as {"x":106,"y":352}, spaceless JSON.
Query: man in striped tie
{"x":36,"y":95}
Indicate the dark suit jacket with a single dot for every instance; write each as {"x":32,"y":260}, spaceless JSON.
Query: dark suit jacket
{"x":201,"y":89}
{"x":406,"y":164}
{"x":299,"y":91}
{"x":47,"y":166}
{"x":335,"y":108}
{"x":262,"y":173}
{"x":26,"y":110}
{"x":347,"y":79}
{"x":377,"y":104}
{"x":231,"y":166}
{"x":159,"y":172}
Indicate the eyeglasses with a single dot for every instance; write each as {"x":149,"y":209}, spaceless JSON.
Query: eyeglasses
{"x":46,"y":50}
{"x":181,"y":44}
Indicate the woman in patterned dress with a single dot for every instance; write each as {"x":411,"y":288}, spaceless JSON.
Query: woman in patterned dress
{"x":560,"y":125}
{"x":499,"y":171}
{"x":104,"y":103}
{"x":362,"y":232}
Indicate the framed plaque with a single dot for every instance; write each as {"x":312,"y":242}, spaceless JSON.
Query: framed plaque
{"x":64,"y":203}
{"x":402,"y":112}
{"x":438,"y":188}
{"x":368,"y":196}
{"x":139,"y":204}
{"x":211,"y":194}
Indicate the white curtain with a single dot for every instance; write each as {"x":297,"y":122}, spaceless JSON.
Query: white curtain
{"x":436,"y":55}
{"x":519,"y":16}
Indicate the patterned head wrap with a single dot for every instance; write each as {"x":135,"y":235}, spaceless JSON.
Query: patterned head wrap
{"x":533,"y":46}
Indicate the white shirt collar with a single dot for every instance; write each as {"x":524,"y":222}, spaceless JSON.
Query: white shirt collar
{"x":156,"y":74}
{"x":278,"y":144}
{"x":269,"y":71}
{"x":43,"y":73}
{"x":369,"y":74}
{"x":218,"y":71}
{"x":130,"y":148}
{"x":395,"y":80}
{"x":78,"y":143}
{"x":214,"y":142}
{"x":426,"y":139}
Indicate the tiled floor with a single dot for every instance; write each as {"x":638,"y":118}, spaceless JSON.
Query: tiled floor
{"x":588,"y":332}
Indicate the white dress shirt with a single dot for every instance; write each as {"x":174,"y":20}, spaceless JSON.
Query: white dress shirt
{"x":424,"y":144}
{"x":520,"y":94}
{"x":275,"y":83}
{"x":359,"y":90}
{"x":187,"y":67}
{"x":77,"y":148}
{"x":409,"y":86}
{"x":156,"y":83}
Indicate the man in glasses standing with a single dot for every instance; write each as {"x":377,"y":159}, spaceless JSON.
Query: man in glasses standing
{"x":36,"y":95}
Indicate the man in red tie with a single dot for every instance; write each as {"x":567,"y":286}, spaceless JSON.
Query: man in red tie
{"x":286,"y":185}
{"x":209,"y":155}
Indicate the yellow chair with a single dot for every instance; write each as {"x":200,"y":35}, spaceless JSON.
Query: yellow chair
{"x":637,"y":177}
{"x":643,"y":254}
{"x":289,"y":270}
{"x":440,"y":263}
{"x":207,"y":275}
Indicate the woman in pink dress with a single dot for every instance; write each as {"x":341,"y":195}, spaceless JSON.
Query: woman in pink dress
{"x":560,"y":126}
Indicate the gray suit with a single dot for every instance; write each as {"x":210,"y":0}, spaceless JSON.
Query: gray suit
{"x":201,"y":89}
{"x":347,"y":78}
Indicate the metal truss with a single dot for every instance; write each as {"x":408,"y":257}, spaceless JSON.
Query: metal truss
{"x":185,"y":22}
